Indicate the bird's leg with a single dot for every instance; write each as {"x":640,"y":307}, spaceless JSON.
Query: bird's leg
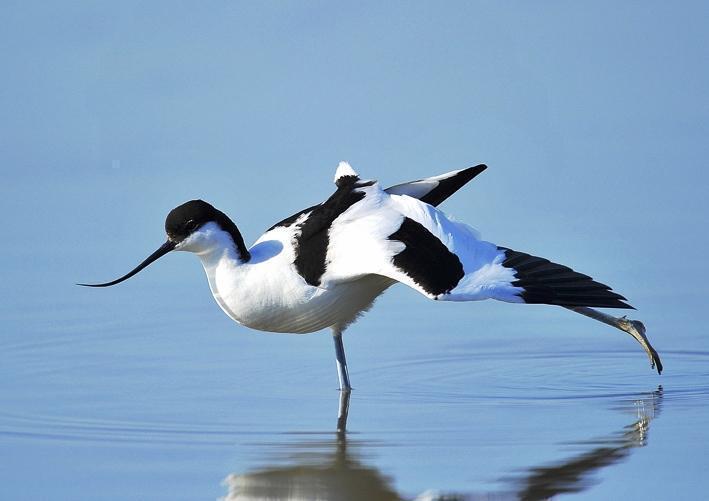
{"x":342,"y":373}
{"x":633,"y":327}
{"x":342,"y":412}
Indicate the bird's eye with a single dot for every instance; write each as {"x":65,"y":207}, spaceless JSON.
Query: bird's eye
{"x":191,"y":225}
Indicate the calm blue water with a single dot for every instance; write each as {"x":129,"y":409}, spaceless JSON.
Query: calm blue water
{"x":127,"y":397}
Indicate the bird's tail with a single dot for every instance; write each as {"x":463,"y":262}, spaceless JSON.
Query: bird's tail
{"x":545,"y":282}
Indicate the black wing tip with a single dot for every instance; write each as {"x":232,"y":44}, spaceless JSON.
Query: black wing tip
{"x":469,"y":173}
{"x":622,"y":305}
{"x":545,"y":282}
{"x":613,"y":302}
{"x":446,"y":187}
{"x":532,"y":295}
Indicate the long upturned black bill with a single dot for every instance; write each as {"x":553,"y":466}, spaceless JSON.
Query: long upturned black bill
{"x":164,"y":249}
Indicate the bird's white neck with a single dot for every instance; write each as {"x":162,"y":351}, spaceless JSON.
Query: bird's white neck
{"x":219,"y":255}
{"x":212,"y":244}
{"x":215,"y":248}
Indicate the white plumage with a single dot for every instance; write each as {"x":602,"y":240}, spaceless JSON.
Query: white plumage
{"x":267,"y":292}
{"x":327,"y":264}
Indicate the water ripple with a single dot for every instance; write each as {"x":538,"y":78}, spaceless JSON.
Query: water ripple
{"x":488,"y":378}
{"x":524,"y":376}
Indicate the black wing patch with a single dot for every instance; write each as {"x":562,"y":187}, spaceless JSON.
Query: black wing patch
{"x":425,"y":259}
{"x":312,"y":241}
{"x":443,"y":188}
{"x":545,"y":282}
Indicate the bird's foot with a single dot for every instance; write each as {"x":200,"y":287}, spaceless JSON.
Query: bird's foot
{"x":637,"y":329}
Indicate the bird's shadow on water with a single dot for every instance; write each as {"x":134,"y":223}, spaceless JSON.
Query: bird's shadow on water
{"x":335,"y":467}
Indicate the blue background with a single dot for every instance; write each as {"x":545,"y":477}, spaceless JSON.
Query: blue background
{"x":592,"y":117}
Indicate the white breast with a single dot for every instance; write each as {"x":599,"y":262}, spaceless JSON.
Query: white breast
{"x":266,"y":293}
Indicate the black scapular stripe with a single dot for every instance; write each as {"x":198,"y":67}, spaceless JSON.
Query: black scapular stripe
{"x":425,"y":259}
{"x":446,"y":187}
{"x":312,"y":241}
{"x":545,"y":282}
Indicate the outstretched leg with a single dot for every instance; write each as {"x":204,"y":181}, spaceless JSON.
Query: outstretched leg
{"x":633,"y":327}
{"x":342,"y":373}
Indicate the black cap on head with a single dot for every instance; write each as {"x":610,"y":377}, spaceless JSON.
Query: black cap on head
{"x":188,"y":217}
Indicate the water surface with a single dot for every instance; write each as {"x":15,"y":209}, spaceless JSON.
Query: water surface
{"x":152,"y":405}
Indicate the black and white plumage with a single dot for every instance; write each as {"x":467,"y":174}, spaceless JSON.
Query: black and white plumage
{"x":325,"y":265}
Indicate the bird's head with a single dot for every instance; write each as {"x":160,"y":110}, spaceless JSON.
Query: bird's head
{"x":194,"y":226}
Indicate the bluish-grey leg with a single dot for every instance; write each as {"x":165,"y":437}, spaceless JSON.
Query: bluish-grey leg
{"x":633,"y":327}
{"x":342,"y":412}
{"x":342,"y":373}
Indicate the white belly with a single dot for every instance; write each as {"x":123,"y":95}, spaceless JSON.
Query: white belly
{"x":288,"y":304}
{"x":335,"y":306}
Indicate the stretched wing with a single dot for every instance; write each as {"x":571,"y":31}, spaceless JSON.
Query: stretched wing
{"x":404,"y":239}
{"x":363,"y":230}
{"x":412,"y":242}
{"x":434,"y":190}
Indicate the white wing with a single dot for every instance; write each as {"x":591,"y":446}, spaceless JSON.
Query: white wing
{"x":402,"y":238}
{"x":363,"y":230}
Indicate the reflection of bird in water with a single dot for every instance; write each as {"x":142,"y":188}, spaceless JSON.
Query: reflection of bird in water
{"x":334,"y":469}
{"x":325,"y":266}
{"x":335,"y":475}
{"x":572,"y":474}
{"x":326,"y":469}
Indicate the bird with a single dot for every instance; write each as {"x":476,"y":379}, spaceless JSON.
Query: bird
{"x":324,"y":266}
